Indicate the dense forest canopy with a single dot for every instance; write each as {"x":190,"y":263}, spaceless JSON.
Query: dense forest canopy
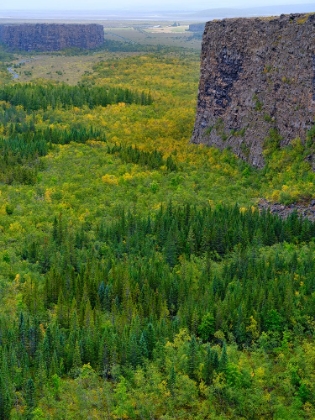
{"x":138,"y":279}
{"x":36,"y":96}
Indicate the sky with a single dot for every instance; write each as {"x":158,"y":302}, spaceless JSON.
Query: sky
{"x":140,"y":4}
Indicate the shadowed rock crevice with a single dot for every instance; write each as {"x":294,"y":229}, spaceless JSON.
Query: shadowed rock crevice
{"x":257,"y":77}
{"x":229,"y":66}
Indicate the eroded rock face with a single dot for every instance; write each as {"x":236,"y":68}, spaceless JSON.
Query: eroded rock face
{"x":257,"y":75}
{"x":51,"y":37}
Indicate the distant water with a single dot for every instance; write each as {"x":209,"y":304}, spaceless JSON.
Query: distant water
{"x":13,"y":73}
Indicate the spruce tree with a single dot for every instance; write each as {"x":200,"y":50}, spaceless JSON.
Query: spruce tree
{"x":172,"y":381}
{"x":192,"y":357}
{"x":223,"y":359}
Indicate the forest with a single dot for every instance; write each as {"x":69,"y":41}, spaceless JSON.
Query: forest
{"x":138,"y":278}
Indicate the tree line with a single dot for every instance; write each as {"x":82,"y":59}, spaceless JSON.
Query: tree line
{"x":34,"y":97}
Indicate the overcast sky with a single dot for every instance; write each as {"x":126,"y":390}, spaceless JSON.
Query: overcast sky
{"x":143,"y":4}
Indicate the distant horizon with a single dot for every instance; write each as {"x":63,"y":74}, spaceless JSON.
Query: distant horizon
{"x":141,"y":9}
{"x":121,"y":6}
{"x":144,"y":14}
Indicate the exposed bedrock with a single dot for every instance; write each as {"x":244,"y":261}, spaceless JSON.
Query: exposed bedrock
{"x":257,"y":75}
{"x":51,"y":37}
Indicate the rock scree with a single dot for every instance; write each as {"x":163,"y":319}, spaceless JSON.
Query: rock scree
{"x":51,"y":37}
{"x":257,"y":81}
{"x":305,"y":210}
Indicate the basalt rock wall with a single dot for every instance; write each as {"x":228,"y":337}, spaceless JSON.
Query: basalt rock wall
{"x":257,"y":78}
{"x":51,"y":37}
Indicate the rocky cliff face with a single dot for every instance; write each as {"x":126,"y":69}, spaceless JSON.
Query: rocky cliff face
{"x":257,"y":77}
{"x":51,"y":37}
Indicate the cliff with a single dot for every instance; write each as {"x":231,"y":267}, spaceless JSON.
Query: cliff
{"x":257,"y":78}
{"x":51,"y":37}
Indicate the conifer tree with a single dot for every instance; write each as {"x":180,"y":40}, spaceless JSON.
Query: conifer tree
{"x":150,"y":337}
{"x":208,"y":366}
{"x":172,"y":381}
{"x":76,"y":361}
{"x":30,"y":397}
{"x":192,"y":357}
{"x":223,"y":359}
{"x":143,"y":346}
{"x":6,"y":388}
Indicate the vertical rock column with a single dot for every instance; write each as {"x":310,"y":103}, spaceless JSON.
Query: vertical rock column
{"x":257,"y":75}
{"x":51,"y":37}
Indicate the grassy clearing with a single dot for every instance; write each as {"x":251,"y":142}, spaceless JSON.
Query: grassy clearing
{"x":155,"y":34}
{"x":168,"y":29}
{"x":61,"y":68}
